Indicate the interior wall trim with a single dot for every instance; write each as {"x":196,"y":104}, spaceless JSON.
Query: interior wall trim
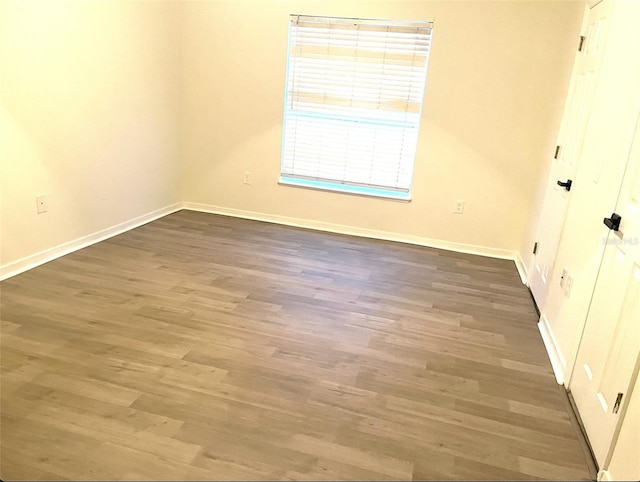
{"x":32,"y":261}
{"x":558,"y":363}
{"x":522,"y":268}
{"x":29,"y":262}
{"x":355,"y":231}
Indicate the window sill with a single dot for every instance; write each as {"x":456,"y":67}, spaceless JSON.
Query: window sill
{"x":346,"y":189}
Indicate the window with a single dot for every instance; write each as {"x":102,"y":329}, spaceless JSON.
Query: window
{"x":353,"y":103}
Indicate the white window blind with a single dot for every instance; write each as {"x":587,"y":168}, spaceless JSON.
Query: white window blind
{"x":353,"y":103}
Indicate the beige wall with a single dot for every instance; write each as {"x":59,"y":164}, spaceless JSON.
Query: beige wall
{"x":90,"y":112}
{"x":98,"y":96}
{"x":498,"y":75}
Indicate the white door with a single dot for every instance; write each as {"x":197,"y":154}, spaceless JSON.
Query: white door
{"x":570,"y":140}
{"x":609,"y":354}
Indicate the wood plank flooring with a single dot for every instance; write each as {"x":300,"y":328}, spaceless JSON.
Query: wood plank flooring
{"x":207,"y":347}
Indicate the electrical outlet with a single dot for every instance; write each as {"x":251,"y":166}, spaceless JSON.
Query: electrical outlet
{"x":247,"y":177}
{"x":41,"y":204}
{"x":459,"y":206}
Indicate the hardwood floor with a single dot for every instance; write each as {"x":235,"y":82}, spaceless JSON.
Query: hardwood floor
{"x":207,"y":347}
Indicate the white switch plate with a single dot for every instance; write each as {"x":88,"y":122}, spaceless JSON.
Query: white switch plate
{"x":41,"y":204}
{"x":459,"y":206}
{"x":568,"y":285}
{"x":563,"y":278}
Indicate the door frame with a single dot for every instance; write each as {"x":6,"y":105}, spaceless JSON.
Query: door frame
{"x":530,"y":268}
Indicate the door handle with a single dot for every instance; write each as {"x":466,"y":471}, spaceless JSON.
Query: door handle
{"x":566,"y":185}
{"x":613,"y":222}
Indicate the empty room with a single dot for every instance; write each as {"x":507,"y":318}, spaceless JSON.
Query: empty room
{"x":319,"y":240}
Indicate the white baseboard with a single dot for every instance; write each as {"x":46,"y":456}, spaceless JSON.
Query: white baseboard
{"x":558,"y":363}
{"x":522,"y":268}
{"x":355,"y":231}
{"x":604,"y":475}
{"x":37,"y":259}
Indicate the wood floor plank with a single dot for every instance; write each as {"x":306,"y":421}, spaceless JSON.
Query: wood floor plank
{"x":208,"y":347}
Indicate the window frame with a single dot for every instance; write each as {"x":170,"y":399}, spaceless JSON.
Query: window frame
{"x":344,"y":184}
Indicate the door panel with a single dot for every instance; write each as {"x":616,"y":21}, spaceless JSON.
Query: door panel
{"x":609,"y":352}
{"x":570,"y":140}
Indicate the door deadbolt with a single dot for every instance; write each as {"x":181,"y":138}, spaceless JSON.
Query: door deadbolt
{"x":613,"y":222}
{"x":566,"y":185}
